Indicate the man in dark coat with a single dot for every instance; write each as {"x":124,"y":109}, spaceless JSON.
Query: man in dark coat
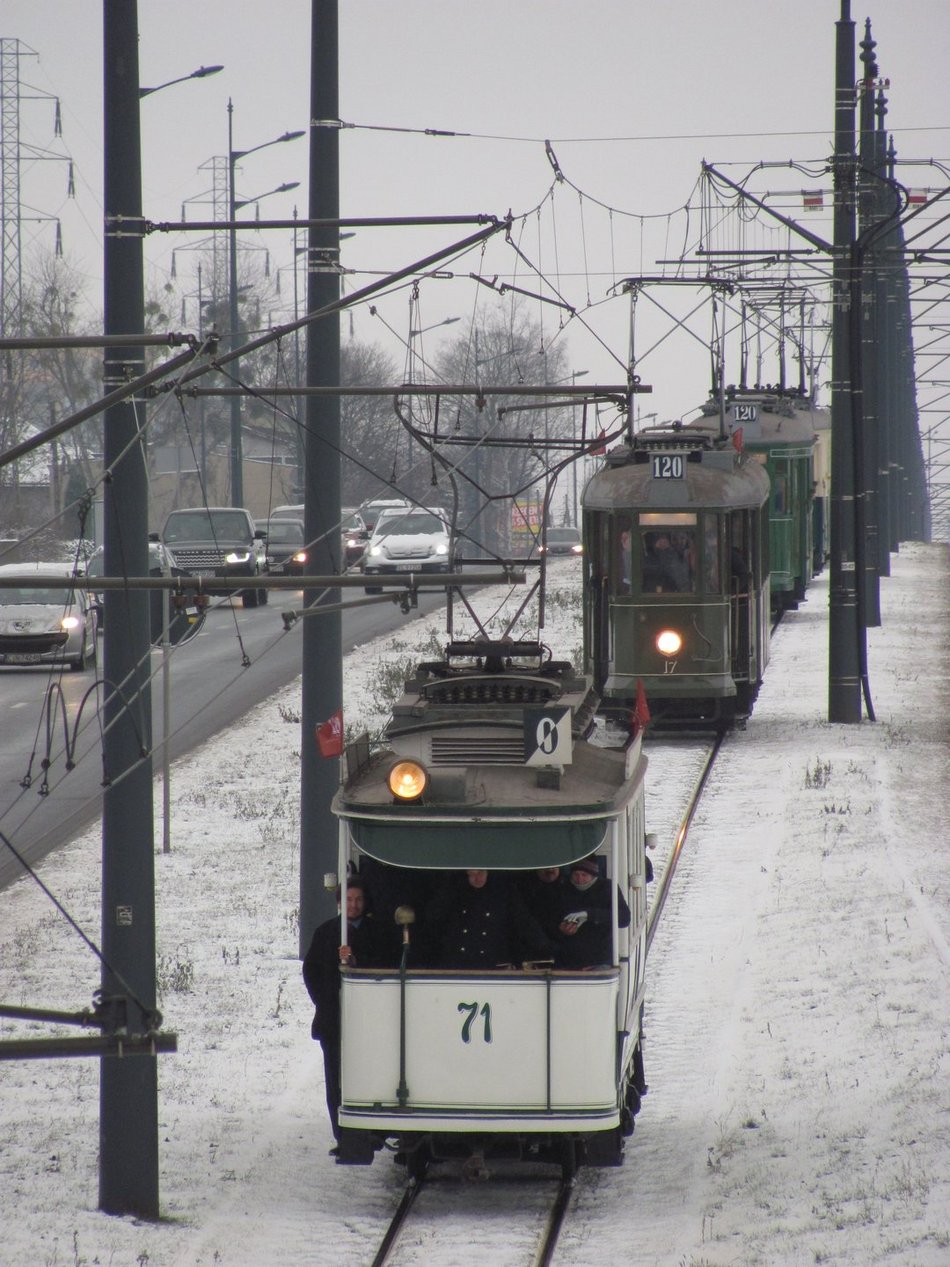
{"x":543,"y":894}
{"x":321,"y":973}
{"x":584,"y":932}
{"x":478,"y":920}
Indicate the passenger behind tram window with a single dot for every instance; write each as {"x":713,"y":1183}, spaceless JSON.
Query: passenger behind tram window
{"x":478,"y":920}
{"x":712,"y":556}
{"x":542,"y":891}
{"x":739,"y":570}
{"x":584,"y":936}
{"x":667,"y":563}
{"x":624,"y":558}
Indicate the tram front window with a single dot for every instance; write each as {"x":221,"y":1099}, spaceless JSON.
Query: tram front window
{"x":669,"y":561}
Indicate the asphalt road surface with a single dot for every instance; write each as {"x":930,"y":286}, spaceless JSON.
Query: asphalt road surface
{"x":209,"y":690}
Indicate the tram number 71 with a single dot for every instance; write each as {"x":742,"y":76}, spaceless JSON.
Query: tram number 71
{"x":473,"y":1013}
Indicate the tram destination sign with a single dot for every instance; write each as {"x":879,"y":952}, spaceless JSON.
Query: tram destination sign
{"x":669,"y":466}
{"x":547,"y":736}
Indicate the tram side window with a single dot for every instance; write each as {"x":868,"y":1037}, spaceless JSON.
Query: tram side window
{"x":623,"y":554}
{"x":711,"y":547}
{"x":669,"y":561}
{"x":780,"y":490}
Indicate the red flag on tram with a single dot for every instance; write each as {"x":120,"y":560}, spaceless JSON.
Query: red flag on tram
{"x":641,"y":710}
{"x":601,"y":449}
{"x":330,"y":735}
{"x":737,"y":439}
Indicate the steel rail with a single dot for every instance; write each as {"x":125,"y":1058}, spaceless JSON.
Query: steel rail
{"x":664,"y":886}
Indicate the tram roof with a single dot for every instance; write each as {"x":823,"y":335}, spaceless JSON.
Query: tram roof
{"x":716,"y":476}
{"x":778,"y":419}
{"x":493,"y":816}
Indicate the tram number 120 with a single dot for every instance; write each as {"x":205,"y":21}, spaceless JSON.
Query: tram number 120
{"x":473,"y":1011}
{"x":668,"y":466}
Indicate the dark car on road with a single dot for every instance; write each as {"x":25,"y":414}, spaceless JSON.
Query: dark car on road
{"x":284,"y":546}
{"x":219,"y":541}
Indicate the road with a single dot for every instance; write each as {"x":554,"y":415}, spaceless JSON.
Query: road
{"x":209,"y":689}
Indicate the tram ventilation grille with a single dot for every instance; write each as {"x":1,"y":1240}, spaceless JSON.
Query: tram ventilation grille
{"x":498,"y":691}
{"x":476,"y":750}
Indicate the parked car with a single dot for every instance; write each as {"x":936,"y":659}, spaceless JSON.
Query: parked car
{"x":284,"y":546}
{"x":562,"y":541}
{"x":53,"y":625}
{"x":217,"y":541}
{"x":415,"y":541}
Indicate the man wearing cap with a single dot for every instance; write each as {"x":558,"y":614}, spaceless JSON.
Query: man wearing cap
{"x":584,"y":938}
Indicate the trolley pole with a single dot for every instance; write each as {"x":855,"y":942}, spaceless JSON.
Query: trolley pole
{"x":322,"y":685}
{"x":844,"y":685}
{"x":128,"y":1087}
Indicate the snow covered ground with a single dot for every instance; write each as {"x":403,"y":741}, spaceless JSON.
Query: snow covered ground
{"x":798,"y":1020}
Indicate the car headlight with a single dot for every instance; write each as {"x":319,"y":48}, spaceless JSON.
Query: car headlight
{"x":577,"y":549}
{"x":376,"y":552}
{"x":669,"y":642}
{"x":238,"y":556}
{"x":69,"y":622}
{"x":300,"y":556}
{"x":441,"y":548}
{"x":407,"y":780}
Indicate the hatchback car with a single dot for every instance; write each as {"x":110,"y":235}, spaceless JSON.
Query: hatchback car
{"x":54,"y":624}
{"x":416,"y":541}
{"x":285,"y":546}
{"x":562,"y":541}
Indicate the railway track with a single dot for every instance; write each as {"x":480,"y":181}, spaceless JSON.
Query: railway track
{"x":541,"y":1248}
{"x":686,"y":765}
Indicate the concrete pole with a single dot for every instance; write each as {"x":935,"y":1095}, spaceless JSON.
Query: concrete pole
{"x":844,"y":685}
{"x":128,"y":1097}
{"x":322,"y":635}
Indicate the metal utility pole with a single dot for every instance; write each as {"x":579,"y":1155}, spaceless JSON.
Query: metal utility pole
{"x":128,"y":1096}
{"x":322,"y":689}
{"x":844,"y":684}
{"x":871,"y":337}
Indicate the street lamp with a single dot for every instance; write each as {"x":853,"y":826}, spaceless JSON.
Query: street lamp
{"x":449,"y":321}
{"x":237,"y":454}
{"x":201,"y":73}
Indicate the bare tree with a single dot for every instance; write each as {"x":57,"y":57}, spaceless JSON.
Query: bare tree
{"x":497,"y":451}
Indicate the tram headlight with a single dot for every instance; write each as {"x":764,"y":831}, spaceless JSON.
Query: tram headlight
{"x":407,"y":780}
{"x":669,"y":642}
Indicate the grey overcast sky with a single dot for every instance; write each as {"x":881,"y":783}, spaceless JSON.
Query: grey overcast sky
{"x":633,"y":94}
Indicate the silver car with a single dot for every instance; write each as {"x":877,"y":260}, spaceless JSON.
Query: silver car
{"x":415,"y":541}
{"x":55,"y":624}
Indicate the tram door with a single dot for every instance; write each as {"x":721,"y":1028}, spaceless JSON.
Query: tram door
{"x":597,"y":615}
{"x":741,"y":589}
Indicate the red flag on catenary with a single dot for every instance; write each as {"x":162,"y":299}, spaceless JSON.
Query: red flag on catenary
{"x":330,"y":735}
